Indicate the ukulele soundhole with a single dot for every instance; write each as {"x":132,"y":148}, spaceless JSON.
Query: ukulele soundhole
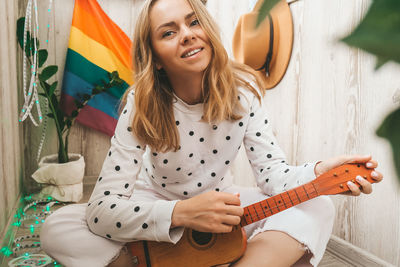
{"x":201,"y":240}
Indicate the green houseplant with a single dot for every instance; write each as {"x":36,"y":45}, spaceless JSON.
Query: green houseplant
{"x":63,"y":122}
{"x":59,"y":175}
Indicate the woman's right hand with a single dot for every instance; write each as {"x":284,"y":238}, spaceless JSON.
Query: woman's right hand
{"x":215,"y":212}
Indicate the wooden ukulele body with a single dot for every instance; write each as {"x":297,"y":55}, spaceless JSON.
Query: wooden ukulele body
{"x":193,"y":249}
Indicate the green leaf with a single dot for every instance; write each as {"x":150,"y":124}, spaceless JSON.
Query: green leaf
{"x":113,"y":74}
{"x":20,"y":31}
{"x":50,"y":115}
{"x":78,"y":104}
{"x":54,"y":102}
{"x":45,"y":86}
{"x":390,"y":129}
{"x":380,"y":62}
{"x":265,"y":8}
{"x":31,"y":46}
{"x":48,"y":72}
{"x":379,"y":32}
{"x":28,"y":44}
{"x":74,"y":114}
{"x":43,"y":94}
{"x":42,"y":55}
{"x":97,"y":90}
{"x":86,"y":97}
{"x":119,"y":81}
{"x":53,"y":88}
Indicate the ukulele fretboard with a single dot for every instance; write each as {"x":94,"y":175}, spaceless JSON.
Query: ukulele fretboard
{"x":278,"y":203}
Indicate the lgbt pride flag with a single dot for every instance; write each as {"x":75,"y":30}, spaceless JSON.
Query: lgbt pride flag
{"x":97,"y":47}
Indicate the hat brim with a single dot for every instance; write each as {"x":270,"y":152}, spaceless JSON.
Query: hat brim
{"x":250,"y":46}
{"x":282,"y":48}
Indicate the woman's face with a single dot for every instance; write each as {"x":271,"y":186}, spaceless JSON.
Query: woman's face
{"x":179,"y":43}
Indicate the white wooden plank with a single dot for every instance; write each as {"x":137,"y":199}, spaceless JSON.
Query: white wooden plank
{"x":9,"y":142}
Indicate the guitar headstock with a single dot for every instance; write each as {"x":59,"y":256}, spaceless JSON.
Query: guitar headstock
{"x":335,"y":181}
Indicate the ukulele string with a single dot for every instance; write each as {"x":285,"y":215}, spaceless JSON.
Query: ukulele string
{"x":301,"y":197}
{"x":287,"y":200}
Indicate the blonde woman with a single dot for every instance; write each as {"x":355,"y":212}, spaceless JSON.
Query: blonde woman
{"x":168,"y":166}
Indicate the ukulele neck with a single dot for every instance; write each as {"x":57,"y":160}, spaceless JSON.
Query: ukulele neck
{"x":278,"y":203}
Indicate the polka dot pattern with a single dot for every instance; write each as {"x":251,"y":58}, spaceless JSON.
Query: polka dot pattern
{"x":205,"y":153}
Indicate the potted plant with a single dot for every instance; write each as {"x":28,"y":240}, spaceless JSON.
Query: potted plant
{"x":63,"y":171}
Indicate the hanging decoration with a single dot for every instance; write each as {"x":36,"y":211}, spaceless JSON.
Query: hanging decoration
{"x":31,"y":96}
{"x":46,"y":105}
{"x":31,"y":32}
{"x":97,"y":47}
{"x":31,"y":64}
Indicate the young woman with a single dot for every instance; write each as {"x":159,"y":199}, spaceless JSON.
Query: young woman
{"x":168,"y":166}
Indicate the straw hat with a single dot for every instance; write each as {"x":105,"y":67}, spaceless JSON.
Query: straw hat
{"x":268,"y":47}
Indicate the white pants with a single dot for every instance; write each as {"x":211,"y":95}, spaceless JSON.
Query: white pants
{"x":65,"y":235}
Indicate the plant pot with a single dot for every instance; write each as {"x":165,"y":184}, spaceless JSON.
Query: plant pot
{"x":62,"y":181}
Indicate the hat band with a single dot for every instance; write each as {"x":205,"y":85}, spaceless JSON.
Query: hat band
{"x":271,"y":47}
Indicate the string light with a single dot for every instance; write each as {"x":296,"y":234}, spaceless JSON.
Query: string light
{"x":28,"y":259}
{"x":24,"y":246}
{"x":30,"y":90}
{"x":46,"y":102}
{"x":30,"y":93}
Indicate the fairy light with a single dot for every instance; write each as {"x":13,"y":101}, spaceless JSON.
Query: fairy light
{"x":46,"y":102}
{"x":30,"y":86}
{"x":17,"y":223}
{"x":30,"y":92}
{"x":6,"y":251}
{"x":29,"y":242}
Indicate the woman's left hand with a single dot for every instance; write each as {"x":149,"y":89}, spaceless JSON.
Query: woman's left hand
{"x":366,"y":186}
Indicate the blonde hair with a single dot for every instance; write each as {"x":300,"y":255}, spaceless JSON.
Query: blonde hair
{"x":153,"y":122}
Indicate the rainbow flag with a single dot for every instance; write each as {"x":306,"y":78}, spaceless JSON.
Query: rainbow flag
{"x":97,"y":47}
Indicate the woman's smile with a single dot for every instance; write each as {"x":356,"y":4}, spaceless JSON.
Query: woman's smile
{"x":193,"y":53}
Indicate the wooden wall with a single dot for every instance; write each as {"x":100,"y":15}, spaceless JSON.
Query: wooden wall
{"x":10,"y":156}
{"x":330,"y":102}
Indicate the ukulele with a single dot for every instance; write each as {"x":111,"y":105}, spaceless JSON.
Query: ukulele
{"x":199,"y":249}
